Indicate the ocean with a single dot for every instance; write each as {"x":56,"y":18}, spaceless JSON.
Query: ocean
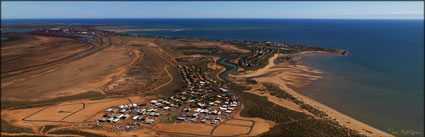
{"x":380,"y":81}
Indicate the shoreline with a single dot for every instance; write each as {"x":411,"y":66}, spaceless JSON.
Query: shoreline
{"x":341,"y":118}
{"x":128,"y":30}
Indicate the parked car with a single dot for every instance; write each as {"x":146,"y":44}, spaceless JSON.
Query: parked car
{"x":115,"y":120}
{"x":135,"y":117}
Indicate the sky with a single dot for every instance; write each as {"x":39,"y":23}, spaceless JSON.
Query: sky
{"x":214,"y":9}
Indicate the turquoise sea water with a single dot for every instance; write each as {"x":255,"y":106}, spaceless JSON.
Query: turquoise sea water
{"x":380,"y":82}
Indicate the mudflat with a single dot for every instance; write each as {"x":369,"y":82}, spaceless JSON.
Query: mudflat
{"x":299,"y":75}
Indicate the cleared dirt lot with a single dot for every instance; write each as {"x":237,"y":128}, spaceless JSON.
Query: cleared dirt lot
{"x":239,"y":122}
{"x":132,"y":133}
{"x":260,"y":126}
{"x":187,"y":128}
{"x":55,"y":113}
{"x":154,"y":71}
{"x":49,"y":114}
{"x":230,"y":130}
{"x":91,"y":108}
{"x":87,"y":74}
{"x":35,"y":50}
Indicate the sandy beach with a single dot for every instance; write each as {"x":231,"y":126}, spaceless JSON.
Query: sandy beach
{"x":286,"y":75}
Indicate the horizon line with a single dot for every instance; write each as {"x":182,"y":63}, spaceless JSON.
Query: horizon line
{"x":231,"y":18}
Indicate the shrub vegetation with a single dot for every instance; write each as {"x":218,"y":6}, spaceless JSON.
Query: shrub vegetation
{"x":290,"y":123}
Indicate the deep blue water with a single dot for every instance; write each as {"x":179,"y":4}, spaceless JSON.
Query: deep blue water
{"x":380,"y":82}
